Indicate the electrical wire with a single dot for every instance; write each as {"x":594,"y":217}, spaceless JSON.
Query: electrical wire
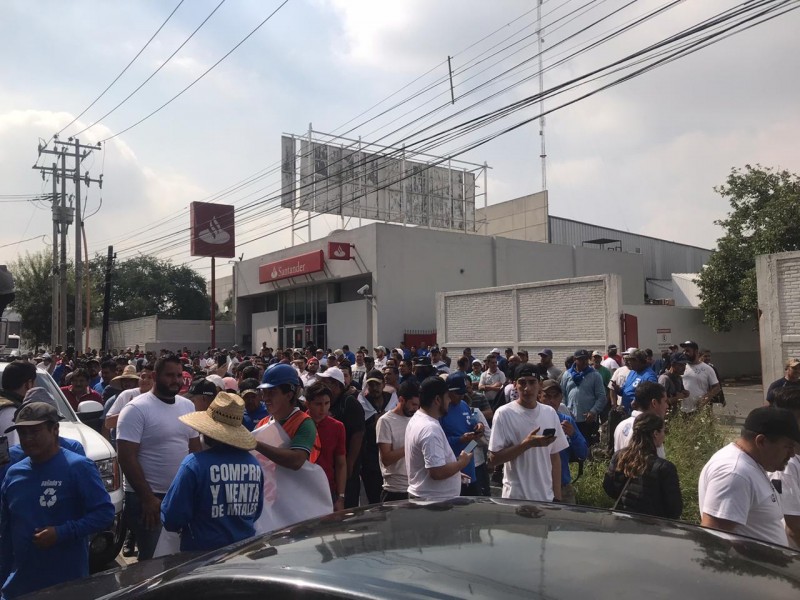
{"x":154,"y":73}
{"x":138,"y":54}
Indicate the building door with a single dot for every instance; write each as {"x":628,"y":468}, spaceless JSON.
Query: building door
{"x":295,"y":336}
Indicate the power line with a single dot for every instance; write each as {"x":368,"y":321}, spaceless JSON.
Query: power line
{"x":206,"y":72}
{"x":154,"y":73}
{"x":152,"y":37}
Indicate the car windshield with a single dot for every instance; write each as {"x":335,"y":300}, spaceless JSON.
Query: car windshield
{"x":46,"y":381}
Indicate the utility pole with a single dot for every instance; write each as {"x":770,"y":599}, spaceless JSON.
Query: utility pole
{"x":79,"y":153}
{"x":543,"y":152}
{"x":107,"y":298}
{"x":54,"y":267}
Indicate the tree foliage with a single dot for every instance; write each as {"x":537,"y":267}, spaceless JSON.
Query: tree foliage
{"x":33,"y":280}
{"x":763,"y":220}
{"x":146,"y":285}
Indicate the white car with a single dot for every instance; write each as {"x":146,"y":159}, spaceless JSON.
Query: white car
{"x":103,"y":547}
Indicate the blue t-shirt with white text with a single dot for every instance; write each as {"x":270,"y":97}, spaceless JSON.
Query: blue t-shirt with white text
{"x":456,"y":423}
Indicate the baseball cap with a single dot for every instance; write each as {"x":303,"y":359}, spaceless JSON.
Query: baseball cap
{"x":792,"y":363}
{"x":597,"y":353}
{"x":314,"y":360}
{"x":39,"y":394}
{"x":216,"y":380}
{"x":374,"y":375}
{"x":546,"y":352}
{"x":35,"y":413}
{"x":548,"y":384}
{"x":477,"y":361}
{"x":248,"y":386}
{"x":612,"y":347}
{"x":629,"y":351}
{"x":527,"y":370}
{"x":422,"y":361}
{"x":679,"y":358}
{"x":495,"y":351}
{"x":334,"y":373}
{"x":690,"y":344}
{"x":381,"y":348}
{"x":456,"y":383}
{"x":203,"y":387}
{"x":771,"y":421}
{"x":230,"y":384}
{"x":582,"y":353}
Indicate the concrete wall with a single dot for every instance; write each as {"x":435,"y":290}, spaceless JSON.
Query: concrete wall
{"x":523,"y":218}
{"x":563,"y":315}
{"x":685,"y":291}
{"x":734,"y":353}
{"x":152,"y":333}
{"x":778,"y":278}
{"x":264,"y":329}
{"x":349,"y":323}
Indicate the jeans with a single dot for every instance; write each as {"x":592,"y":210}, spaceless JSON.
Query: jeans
{"x":387,"y":496}
{"x":373,"y":484}
{"x":146,"y":539}
{"x":482,"y":477}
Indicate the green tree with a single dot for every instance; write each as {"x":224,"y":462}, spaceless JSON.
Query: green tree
{"x":33,"y":276}
{"x":763,"y":220}
{"x":146,"y":285}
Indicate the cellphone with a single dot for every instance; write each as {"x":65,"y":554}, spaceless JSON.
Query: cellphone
{"x":549,"y":432}
{"x":4,"y":456}
{"x":470,"y":447}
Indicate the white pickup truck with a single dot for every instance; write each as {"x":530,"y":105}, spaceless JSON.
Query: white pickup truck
{"x":103,"y":547}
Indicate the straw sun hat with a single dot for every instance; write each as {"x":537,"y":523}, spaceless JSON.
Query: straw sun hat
{"x":129,"y":372}
{"x":223,"y":422}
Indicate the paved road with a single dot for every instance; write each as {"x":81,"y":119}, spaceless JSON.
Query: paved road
{"x":741,"y":399}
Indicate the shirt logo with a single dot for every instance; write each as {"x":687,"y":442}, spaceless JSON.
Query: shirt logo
{"x":48,"y":497}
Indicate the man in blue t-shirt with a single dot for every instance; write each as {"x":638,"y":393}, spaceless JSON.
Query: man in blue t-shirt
{"x":460,"y":428}
{"x":217,"y":495}
{"x":640,"y":371}
{"x":50,"y":503}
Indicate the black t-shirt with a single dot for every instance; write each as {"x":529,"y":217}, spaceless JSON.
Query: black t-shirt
{"x":777,"y":385}
{"x":349,"y":412}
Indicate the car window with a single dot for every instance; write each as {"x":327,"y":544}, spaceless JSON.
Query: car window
{"x":46,"y":381}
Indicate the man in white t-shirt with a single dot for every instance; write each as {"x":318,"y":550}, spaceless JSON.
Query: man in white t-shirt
{"x":434,"y":473}
{"x":787,"y":482}
{"x":152,"y":442}
{"x":492,"y":382}
{"x":650,"y":397}
{"x":613,"y":360}
{"x":699,"y":379}
{"x":390,"y":433}
{"x":735,"y":492}
{"x":122,"y":399}
{"x":532,"y":461}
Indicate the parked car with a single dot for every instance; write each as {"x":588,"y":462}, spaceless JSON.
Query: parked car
{"x":465,"y":548}
{"x":104,"y":547}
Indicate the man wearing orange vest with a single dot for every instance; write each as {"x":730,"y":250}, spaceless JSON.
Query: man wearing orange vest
{"x":279,"y":385}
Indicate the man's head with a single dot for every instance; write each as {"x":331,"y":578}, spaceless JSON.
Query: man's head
{"x":248,"y":391}
{"x":581,"y":359}
{"x":312,"y":366}
{"x":168,"y":376}
{"x":380,"y":352}
{"x":19,"y":377}
{"x":333,"y":378}
{"x":360,"y":358}
{"x":651,"y":397}
{"x":390,"y":375}
{"x":280,"y":384}
{"x":477,"y":366}
{"x":108,"y":370}
{"x":550,"y":393}
{"x":692,"y":351}
{"x":436,"y":355}
{"x":491,"y":362}
{"x":770,"y":435}
{"x":467,"y":352}
{"x":407,"y":398}
{"x":787,"y":397}
{"x":128,"y":380}
{"x":456,"y":387}
{"x":527,"y":382}
{"x":677,"y":363}
{"x":93,"y":367}
{"x":374,"y":384}
{"x":792,"y":369}
{"x":318,"y":401}
{"x":80,"y":381}
{"x":705,"y":356}
{"x":406,"y":367}
{"x":612,"y":350}
{"x":597,"y":358}
{"x":36,"y":424}
{"x":433,"y":397}
{"x":637,"y":360}
{"x":546,"y":357}
{"x":422,"y":367}
{"x":202,"y":392}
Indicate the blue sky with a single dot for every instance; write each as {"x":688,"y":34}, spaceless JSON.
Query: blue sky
{"x":643,"y":156}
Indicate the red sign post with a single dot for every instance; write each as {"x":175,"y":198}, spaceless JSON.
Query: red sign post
{"x":296,"y":266}
{"x":212,"y":234}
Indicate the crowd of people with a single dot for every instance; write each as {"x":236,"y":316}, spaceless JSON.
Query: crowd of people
{"x":406,"y":423}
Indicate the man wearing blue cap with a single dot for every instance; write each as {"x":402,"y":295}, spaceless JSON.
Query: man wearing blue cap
{"x":584,"y":395}
{"x":460,"y":428}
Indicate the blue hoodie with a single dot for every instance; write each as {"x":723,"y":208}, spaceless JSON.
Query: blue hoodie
{"x":65,"y":492}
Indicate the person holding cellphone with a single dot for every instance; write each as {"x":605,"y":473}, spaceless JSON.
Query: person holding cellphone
{"x":520,"y":438}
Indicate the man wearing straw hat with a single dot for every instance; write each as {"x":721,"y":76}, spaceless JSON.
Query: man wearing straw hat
{"x":217,"y":495}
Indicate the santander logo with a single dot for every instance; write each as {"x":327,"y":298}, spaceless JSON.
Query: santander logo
{"x":339,"y":253}
{"x":304,"y":264}
{"x":215,"y":234}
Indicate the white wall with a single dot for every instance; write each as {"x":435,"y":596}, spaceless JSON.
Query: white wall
{"x":778,"y":277}
{"x":562,"y":315}
{"x":264,"y":326}
{"x":734,"y":353}
{"x":348,"y":323}
{"x":685,"y":291}
{"x":523,"y":218}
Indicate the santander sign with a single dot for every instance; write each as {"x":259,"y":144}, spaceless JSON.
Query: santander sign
{"x":296,"y":266}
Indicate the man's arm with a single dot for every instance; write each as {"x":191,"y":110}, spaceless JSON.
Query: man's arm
{"x":555,"y":461}
{"x":449,"y":469}
{"x":793,"y":528}
{"x":511,"y":452}
{"x":600,"y":396}
{"x":128,"y":454}
{"x":290,"y":458}
{"x":353,"y":451}
{"x":389,"y":456}
{"x":716,"y":523}
{"x":340,"y":479}
{"x":97,"y":510}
